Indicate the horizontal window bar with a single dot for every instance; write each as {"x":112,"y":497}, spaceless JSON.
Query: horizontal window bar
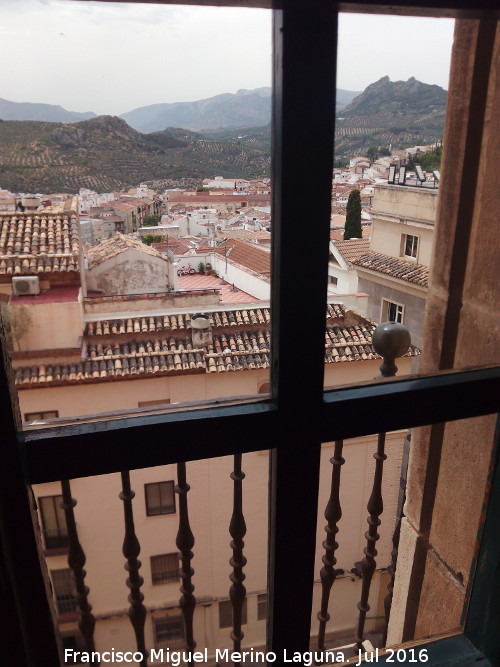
{"x":102,"y":447}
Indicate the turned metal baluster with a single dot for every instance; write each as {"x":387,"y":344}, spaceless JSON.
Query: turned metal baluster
{"x":375,"y":508}
{"x":333,"y":514}
{"x":390,"y":340}
{"x":76,"y":561}
{"x":237,"y":530}
{"x":185,"y":542}
{"x":131,"y":550}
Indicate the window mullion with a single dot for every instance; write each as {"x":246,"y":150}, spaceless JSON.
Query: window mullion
{"x":303,"y":125}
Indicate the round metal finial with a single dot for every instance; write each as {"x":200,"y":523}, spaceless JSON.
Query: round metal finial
{"x":390,"y":340}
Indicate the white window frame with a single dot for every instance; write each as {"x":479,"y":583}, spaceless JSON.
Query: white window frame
{"x":414,"y":246}
{"x":400,"y":311}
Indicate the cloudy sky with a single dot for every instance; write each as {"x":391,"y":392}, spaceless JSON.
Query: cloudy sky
{"x":111,"y":58}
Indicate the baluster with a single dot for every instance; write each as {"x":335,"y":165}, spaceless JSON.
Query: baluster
{"x":390,"y":340}
{"x":237,"y":530}
{"x":375,"y":509}
{"x":131,"y":550}
{"x":185,"y":542}
{"x":333,"y":514}
{"x":76,"y":561}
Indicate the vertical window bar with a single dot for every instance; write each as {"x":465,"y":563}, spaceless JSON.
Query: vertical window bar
{"x":28,"y":617}
{"x":304,"y":63}
{"x":131,"y":551}
{"x":237,"y":530}
{"x":76,"y":561}
{"x":185,"y":542}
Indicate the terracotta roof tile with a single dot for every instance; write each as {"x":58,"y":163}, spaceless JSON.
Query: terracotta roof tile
{"x":251,"y":255}
{"x":240,"y":341}
{"x":116,"y":245}
{"x":39,"y":243}
{"x":395,"y":267}
{"x":352,"y":249}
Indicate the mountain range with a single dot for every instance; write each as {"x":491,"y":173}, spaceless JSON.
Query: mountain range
{"x":105,"y":153}
{"x":51,"y":113}
{"x":245,"y":108}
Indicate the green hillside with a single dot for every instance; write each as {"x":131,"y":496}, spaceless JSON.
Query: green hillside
{"x":105,"y":154}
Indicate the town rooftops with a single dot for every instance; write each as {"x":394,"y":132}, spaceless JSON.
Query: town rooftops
{"x":394,"y":267}
{"x":115,"y":245}
{"x":253,"y":256}
{"x":139,"y":347}
{"x":32,"y":243}
{"x":352,"y":249}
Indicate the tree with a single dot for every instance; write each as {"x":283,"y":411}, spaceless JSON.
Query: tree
{"x":202,"y":189}
{"x":353,"y":216}
{"x":17,"y":321}
{"x":151,"y":220}
{"x":148,"y":239}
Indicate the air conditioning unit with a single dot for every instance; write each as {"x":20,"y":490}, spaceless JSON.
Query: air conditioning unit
{"x":23,"y":285}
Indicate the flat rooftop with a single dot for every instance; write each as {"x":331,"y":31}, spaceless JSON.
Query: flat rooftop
{"x":62,"y":294}
{"x":227,"y":295}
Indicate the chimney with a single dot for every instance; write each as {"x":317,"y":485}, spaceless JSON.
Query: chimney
{"x":201,"y":330}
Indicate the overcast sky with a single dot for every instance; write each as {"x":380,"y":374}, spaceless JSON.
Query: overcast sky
{"x":111,"y":58}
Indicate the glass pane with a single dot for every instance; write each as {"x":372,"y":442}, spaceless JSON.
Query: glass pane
{"x":99,"y":516}
{"x":135,"y":272}
{"x":370,"y":513}
{"x":382,"y":217}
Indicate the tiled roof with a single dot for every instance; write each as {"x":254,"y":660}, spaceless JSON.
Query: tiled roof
{"x":115,"y":245}
{"x":352,"y":249}
{"x":177,"y":246}
{"x":223,"y":318}
{"x":240,"y":341}
{"x":395,"y":267}
{"x":251,"y":255}
{"x":38,"y":243}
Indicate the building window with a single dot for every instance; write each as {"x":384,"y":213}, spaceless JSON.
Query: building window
{"x":63,"y":583}
{"x":392,"y":312}
{"x":40,"y":416}
{"x":53,"y":522}
{"x":262,"y":607}
{"x":159,"y":498}
{"x":226,"y":614}
{"x":333,"y":280}
{"x":165,"y":568}
{"x":410,"y":245}
{"x":169,"y":632}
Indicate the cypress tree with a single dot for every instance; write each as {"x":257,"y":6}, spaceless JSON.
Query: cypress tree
{"x":353,"y":216}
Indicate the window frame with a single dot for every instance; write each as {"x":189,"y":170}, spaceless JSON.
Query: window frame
{"x":45,"y":414}
{"x":385,"y":311}
{"x":159,"y":484}
{"x":158,"y":578}
{"x":57,"y":498}
{"x":160,"y":643}
{"x":227,"y":610}
{"x":301,"y":70}
{"x":414,"y":246}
